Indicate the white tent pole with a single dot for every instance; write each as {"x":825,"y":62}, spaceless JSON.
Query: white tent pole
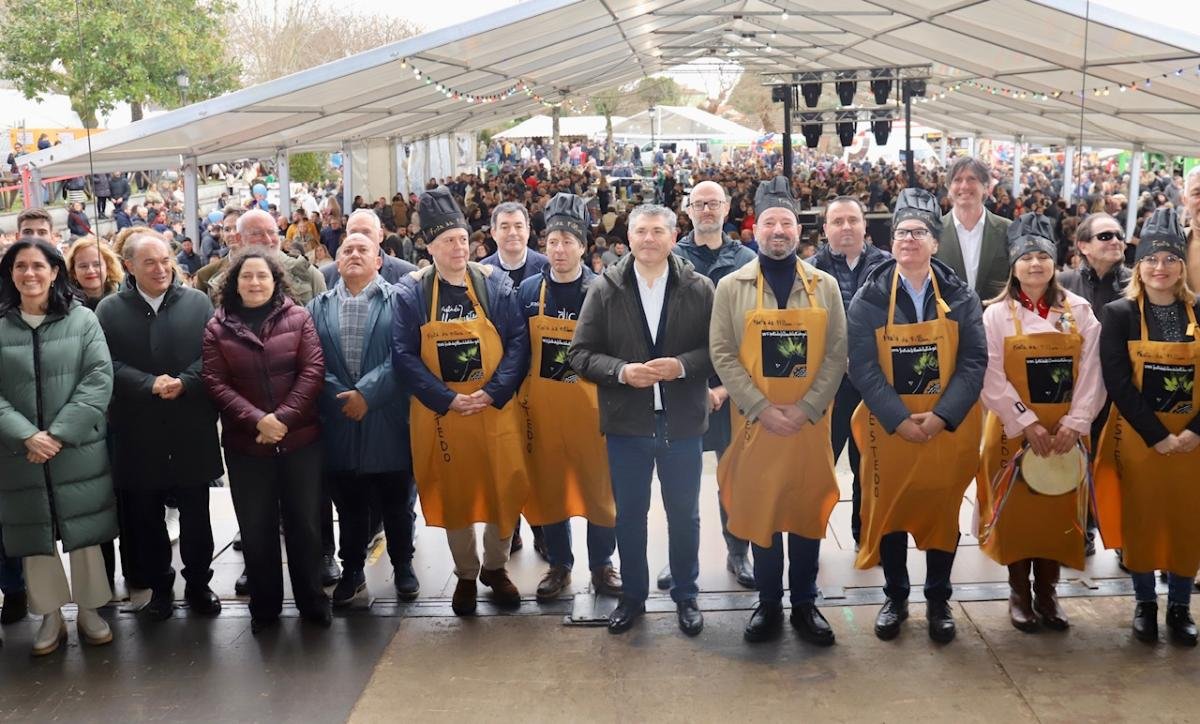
{"x":1018,"y":154}
{"x":191,"y":200}
{"x":1135,"y":184}
{"x":1068,"y":172}
{"x":942,"y":149}
{"x":283,"y":173}
{"x":35,"y":200}
{"x":347,"y":179}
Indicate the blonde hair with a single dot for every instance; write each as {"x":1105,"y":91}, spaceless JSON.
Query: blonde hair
{"x":1182,"y":291}
{"x":114,"y":274}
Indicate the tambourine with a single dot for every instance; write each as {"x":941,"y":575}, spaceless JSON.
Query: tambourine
{"x":1054,"y":474}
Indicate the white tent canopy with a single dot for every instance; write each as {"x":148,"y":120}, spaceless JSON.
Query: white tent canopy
{"x":568,"y":127}
{"x":992,"y":59}
{"x":682,"y":123}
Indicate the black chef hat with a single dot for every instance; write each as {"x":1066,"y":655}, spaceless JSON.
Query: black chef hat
{"x":1032,"y":232}
{"x":439,"y":213}
{"x":774,"y":193}
{"x":1163,"y":231}
{"x":921,"y":205}
{"x":568,"y":212}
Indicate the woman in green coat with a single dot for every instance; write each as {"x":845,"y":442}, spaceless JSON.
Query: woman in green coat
{"x":55,"y":383}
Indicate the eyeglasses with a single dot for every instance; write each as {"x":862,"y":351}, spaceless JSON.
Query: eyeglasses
{"x":1165,"y":261}
{"x":706,"y":205}
{"x":1109,"y":236}
{"x":917,"y":234}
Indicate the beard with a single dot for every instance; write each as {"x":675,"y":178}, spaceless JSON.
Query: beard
{"x":708,"y":228}
{"x":774,"y":253}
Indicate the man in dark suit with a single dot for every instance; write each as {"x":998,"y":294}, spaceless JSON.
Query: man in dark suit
{"x":974,"y":240}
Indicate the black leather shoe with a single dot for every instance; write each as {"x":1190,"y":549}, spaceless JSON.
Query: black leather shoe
{"x":330,"y":573}
{"x":665,"y":581}
{"x":765,"y":624}
{"x":405,"y":581}
{"x":16,"y":607}
{"x":691,"y":621}
{"x":352,"y":586}
{"x":258,"y":625}
{"x":890,"y":616}
{"x":624,"y":615}
{"x":1180,"y":624}
{"x":811,"y":625}
{"x":202,"y":600}
{"x":241,"y":587}
{"x":941,"y":621}
{"x":1145,"y":621}
{"x":319,"y":616}
{"x":161,"y":606}
{"x":739,"y":565}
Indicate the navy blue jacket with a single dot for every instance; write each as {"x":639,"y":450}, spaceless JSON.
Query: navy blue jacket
{"x":869,"y":311}
{"x":499,"y":301}
{"x":731,"y":256}
{"x":380,"y":442}
{"x":535,"y":263}
{"x":530,"y":292}
{"x":849,"y":280}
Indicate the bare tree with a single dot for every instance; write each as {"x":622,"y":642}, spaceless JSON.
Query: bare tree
{"x":281,"y":37}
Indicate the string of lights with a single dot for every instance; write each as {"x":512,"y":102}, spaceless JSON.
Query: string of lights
{"x":518,"y":86}
{"x":1104,"y":90}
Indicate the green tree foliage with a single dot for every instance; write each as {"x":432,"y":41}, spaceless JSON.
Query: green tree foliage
{"x":100,"y":53}
{"x":308,"y":167}
{"x":751,"y":97}
{"x":659,"y":91}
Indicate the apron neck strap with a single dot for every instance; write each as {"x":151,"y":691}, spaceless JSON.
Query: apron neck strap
{"x":939,"y":306}
{"x":1016,"y":317}
{"x":804,"y":280}
{"x":542,"y":298}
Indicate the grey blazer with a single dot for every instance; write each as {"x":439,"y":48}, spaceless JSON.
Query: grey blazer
{"x":993,"y":258}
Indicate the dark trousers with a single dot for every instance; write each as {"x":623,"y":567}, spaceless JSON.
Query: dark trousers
{"x":803,"y":555}
{"x":844,"y":404}
{"x":145,"y":513}
{"x":12,"y":572}
{"x":601,"y":542}
{"x":357,"y":496}
{"x":893,"y":555}
{"x":101,"y":204}
{"x":131,"y":541}
{"x":632,"y":461}
{"x":262,"y":489}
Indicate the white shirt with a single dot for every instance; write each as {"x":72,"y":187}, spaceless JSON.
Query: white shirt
{"x":154,"y":302}
{"x":504,"y":265}
{"x":970,"y":242}
{"x":653,"y":298}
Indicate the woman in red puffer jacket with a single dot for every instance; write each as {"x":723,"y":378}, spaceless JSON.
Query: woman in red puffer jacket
{"x":264,"y":370}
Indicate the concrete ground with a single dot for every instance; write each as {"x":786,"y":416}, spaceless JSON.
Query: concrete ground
{"x":417,"y":662}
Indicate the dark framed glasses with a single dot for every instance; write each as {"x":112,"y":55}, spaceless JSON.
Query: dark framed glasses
{"x":1109,"y":236}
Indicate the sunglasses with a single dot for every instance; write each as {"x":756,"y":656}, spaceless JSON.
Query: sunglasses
{"x":1109,"y":236}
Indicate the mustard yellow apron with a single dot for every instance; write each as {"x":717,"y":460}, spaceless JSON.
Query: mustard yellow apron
{"x":469,"y":469}
{"x":769,"y":483}
{"x":915,"y":487}
{"x":564,"y":450}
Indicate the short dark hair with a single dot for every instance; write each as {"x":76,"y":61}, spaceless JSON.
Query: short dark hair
{"x":509,"y":207}
{"x":228,"y":296}
{"x":38,"y":213}
{"x":843,"y":200}
{"x":971,"y":165}
{"x":61,"y":293}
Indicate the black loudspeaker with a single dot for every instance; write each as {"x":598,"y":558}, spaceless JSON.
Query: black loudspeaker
{"x":914,"y":89}
{"x":811,"y":125}
{"x":881,"y":86}
{"x":881,"y":126}
{"x":846,"y":127}
{"x":810,"y":88}
{"x":846,"y":87}
{"x":779,"y":93}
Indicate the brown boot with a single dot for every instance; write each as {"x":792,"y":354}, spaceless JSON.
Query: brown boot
{"x":1020,"y":599}
{"x":504,"y":592}
{"x":1045,"y":601}
{"x":463,"y":602}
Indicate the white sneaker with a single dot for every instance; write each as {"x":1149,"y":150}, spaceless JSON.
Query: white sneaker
{"x":172,"y":520}
{"x":92,"y":629}
{"x":51,"y":634}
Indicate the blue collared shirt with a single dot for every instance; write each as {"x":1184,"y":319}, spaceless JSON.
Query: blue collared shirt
{"x":918,"y":297}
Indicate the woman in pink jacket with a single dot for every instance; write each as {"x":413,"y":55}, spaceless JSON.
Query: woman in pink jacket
{"x":1043,"y":387}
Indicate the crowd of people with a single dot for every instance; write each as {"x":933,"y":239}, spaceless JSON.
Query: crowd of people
{"x":538,"y":342}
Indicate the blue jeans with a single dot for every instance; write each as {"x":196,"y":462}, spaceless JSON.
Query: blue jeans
{"x":601,"y":543}
{"x":803,"y":554}
{"x":1179,"y":588}
{"x":632,"y":460}
{"x":12,"y":572}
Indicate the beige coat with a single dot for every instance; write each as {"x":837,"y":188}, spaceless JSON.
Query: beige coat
{"x":737,"y":294}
